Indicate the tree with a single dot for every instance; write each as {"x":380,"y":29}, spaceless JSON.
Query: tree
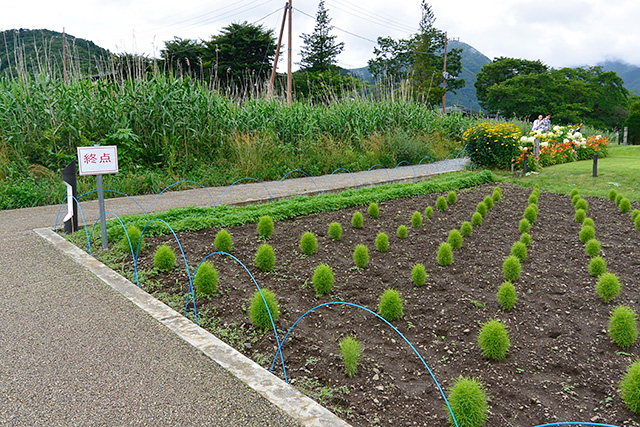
{"x":633,"y":123}
{"x":393,"y":58}
{"x":183,"y":55}
{"x":320,"y":50}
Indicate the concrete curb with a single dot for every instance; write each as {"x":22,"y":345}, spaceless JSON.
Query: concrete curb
{"x":300,"y":407}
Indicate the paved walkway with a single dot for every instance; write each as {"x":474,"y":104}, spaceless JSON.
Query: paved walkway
{"x":75,"y":352}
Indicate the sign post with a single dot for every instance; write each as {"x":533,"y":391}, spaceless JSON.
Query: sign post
{"x":99,"y":160}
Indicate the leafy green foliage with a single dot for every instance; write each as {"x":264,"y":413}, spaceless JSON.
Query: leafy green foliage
{"x":476,"y":219}
{"x":587,"y":233}
{"x":582,"y":204}
{"x":402,"y":232}
{"x":428,"y":212}
{"x":511,"y":268}
{"x":361,"y":256}
{"x":259,"y":312}
{"x":497,"y":194}
{"x":445,"y":254}
{"x":322,"y":280}
{"x":382,"y":242}
{"x":494,"y":340}
{"x":580,"y":216}
{"x":206,"y":280}
{"x":265,"y":258}
{"x":530,"y":214}
{"x":492,"y":144}
{"x":488,"y":201}
{"x":597,"y":266}
{"x":608,"y":287}
{"x":575,"y":199}
{"x":455,"y":239}
{"x":630,"y":387}
{"x":592,"y":247}
{"x":533,"y":199}
{"x":265,"y":227}
{"x":441,"y":204}
{"x":135,"y":236}
{"x":507,"y":296}
{"x":335,"y":231}
{"x":164,"y":258}
{"x":525,"y":238}
{"x":637,"y":222}
{"x":223,"y":241}
{"x":588,"y":222}
{"x":635,"y":214}
{"x":308,"y":243}
{"x":391,"y":306}
{"x":419,"y":275}
{"x":357,"y":220}
{"x":466,"y":229}
{"x":625,"y":205}
{"x":416,"y":219}
{"x":613,"y":194}
{"x":482,"y":209}
{"x":319,"y":51}
{"x":351,"y":353}
{"x":468,"y":401}
{"x":524,"y":226}
{"x":623,"y":328}
{"x":519,"y":250}
{"x":373,"y":210}
{"x":452,"y":197}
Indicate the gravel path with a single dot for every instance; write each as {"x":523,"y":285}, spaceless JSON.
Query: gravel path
{"x":74,"y":352}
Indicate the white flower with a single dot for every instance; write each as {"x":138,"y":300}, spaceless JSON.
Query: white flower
{"x":578,"y":135}
{"x":523,"y":139}
{"x":531,"y":139}
{"x":565,"y":140}
{"x":544,"y":144}
{"x":556,"y":128}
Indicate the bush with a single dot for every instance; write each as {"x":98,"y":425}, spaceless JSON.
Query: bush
{"x":441,"y":204}
{"x":597,"y":266}
{"x":637,"y":223}
{"x":351,"y":352}
{"x":625,"y":205}
{"x":635,"y":214}
{"x":164,"y":258}
{"x":135,"y":236}
{"x":575,"y":199}
{"x":206,"y":280}
{"x":618,"y":199}
{"x":455,"y":239}
{"x":223,"y":241}
{"x":525,"y":238}
{"x":507,"y":296}
{"x":497,"y":194}
{"x":445,"y":254}
{"x":494,"y":340}
{"x":382,"y":242}
{"x":466,"y":229}
{"x":488,"y":201}
{"x":335,"y":231}
{"x":592,"y":248}
{"x":511,"y":269}
{"x":575,"y":192}
{"x":582,"y":204}
{"x":265,"y":258}
{"x":452,"y":197}
{"x":623,"y":328}
{"x":587,"y":233}
{"x":402,"y":232}
{"x":419,"y":275}
{"x":468,"y":402}
{"x":416,"y":219}
{"x":258,"y":312}
{"x":482,"y":209}
{"x":308,"y":243}
{"x":357,"y":220}
{"x":322,"y":280}
{"x":374,"y":210}
{"x":612,"y":194}
{"x":361,"y":256}
{"x":519,"y":250}
{"x":391,"y":306}
{"x":428,"y":212}
{"x":533,"y":199}
{"x":580,"y":216}
{"x":530,"y":214}
{"x":524,"y":226}
{"x":608,"y":287}
{"x":630,"y":387}
{"x":476,"y":219}
{"x":492,"y":144}
{"x":588,"y":221}
{"x":265,"y":227}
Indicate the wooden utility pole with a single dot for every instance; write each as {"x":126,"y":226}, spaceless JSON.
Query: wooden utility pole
{"x":290,"y":49}
{"x":275,"y":61}
{"x":444,"y":77}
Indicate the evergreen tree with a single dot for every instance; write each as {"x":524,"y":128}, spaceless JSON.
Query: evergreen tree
{"x":320,"y":50}
{"x":633,"y":123}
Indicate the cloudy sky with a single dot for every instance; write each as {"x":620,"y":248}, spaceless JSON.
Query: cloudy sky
{"x":558,"y":32}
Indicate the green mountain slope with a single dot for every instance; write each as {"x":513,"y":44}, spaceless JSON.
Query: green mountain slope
{"x":627,"y":72}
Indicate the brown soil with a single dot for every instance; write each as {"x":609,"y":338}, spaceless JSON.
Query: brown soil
{"x":562,"y":366}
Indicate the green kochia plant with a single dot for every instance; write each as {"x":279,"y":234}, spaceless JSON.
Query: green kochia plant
{"x":507,"y":296}
{"x":445,"y":254}
{"x":452,"y":197}
{"x":497,"y":194}
{"x":357,"y":220}
{"x":308,"y":243}
{"x":525,"y":238}
{"x":524,"y":226}
{"x":476,"y":219}
{"x":441,"y":204}
{"x":519,"y":250}
{"x":455,"y":239}
{"x":587,"y":233}
{"x":135,"y":236}
{"x":419,"y":275}
{"x":374,"y":210}
{"x":361,"y":256}
{"x":482,"y":209}
{"x":612,"y":194}
{"x":335,"y":231}
{"x":322,"y":280}
{"x":488,"y":200}
{"x":466,"y":229}
{"x":391,"y":306}
{"x":382,"y":242}
{"x":265,"y":227}
{"x":630,"y":387}
{"x":580,"y":216}
{"x":223,"y":241}
{"x":351,"y":353}
{"x":206,"y":280}
{"x":575,"y":192}
{"x":608,"y":287}
{"x":402,"y":232}
{"x":468,"y":401}
{"x":597,"y":266}
{"x":265,"y":258}
{"x":530,"y":214}
{"x":416,"y":219}
{"x":164,"y":258}
{"x":625,"y":205}
{"x":511,"y":269}
{"x":258,"y":312}
{"x":623,"y":328}
{"x":582,"y":204}
{"x":494,"y":340}
{"x":592,"y":248}
{"x":428,"y":212}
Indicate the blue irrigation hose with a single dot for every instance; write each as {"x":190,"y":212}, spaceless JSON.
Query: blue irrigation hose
{"x":84,"y":222}
{"x":339,"y":169}
{"x":576,"y":423}
{"x":370,"y":169}
{"x":117,"y":192}
{"x":287,"y":174}
{"x":181,"y":182}
{"x":261,"y":294}
{"x":244,"y":179}
{"x":385,"y":321}
{"x":415,"y":176}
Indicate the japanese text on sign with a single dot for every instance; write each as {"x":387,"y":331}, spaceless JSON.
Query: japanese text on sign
{"x":98,"y":160}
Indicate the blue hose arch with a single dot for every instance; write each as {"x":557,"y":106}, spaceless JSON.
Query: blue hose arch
{"x":332,"y":173}
{"x":289,"y":173}
{"x":244,"y":179}
{"x":181,"y":182}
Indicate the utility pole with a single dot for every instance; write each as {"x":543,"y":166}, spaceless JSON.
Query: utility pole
{"x":290,"y":49}
{"x":444,"y":77}
{"x":64,"y":55}
{"x":275,"y":61}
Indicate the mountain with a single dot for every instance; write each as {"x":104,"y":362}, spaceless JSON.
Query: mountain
{"x":38,"y":51}
{"x":627,"y":72}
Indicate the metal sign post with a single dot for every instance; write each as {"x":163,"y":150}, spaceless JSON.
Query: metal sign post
{"x":99,"y":160}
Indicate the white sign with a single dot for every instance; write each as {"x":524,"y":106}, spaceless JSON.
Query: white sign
{"x":98,"y":160}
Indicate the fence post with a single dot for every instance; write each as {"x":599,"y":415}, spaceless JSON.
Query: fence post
{"x":595,"y":165}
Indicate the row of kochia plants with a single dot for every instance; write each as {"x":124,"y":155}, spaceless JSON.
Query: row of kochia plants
{"x":467,"y":396}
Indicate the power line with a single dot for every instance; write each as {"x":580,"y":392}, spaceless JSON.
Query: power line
{"x":372,"y":18}
{"x":338,"y":28}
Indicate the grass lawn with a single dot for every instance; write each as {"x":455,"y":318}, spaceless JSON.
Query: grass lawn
{"x":621,"y":170}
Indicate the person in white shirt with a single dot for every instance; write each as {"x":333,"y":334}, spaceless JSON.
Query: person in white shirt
{"x":537,"y":123}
